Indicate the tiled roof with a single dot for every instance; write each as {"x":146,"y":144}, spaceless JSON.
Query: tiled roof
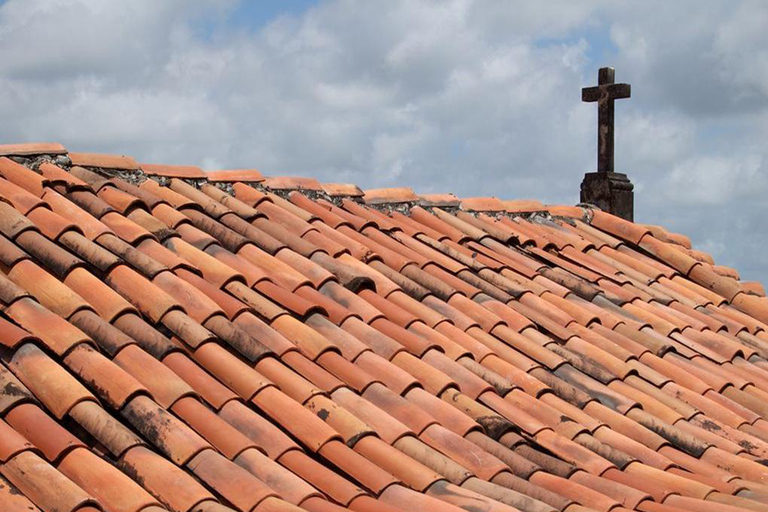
{"x":176,"y":340}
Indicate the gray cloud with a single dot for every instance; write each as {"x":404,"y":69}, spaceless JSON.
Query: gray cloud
{"x":472,"y":97}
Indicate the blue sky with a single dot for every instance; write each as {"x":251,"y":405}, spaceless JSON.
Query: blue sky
{"x":474,"y":97}
{"x":256,"y":14}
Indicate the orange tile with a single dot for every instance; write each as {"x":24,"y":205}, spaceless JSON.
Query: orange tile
{"x":229,"y":480}
{"x":292,"y":183}
{"x":249,"y":195}
{"x":104,"y":160}
{"x":350,"y":373}
{"x":753,"y":287}
{"x":231,"y":370}
{"x":13,"y":499}
{"x":116,"y":490}
{"x":167,"y":433}
{"x":11,"y":336}
{"x":121,"y":200}
{"x":59,"y":261}
{"x":110,"y":381}
{"x":300,"y":422}
{"x":579,"y":493}
{"x":389,"y":195}
{"x":310,"y":342}
{"x":386,"y":426}
{"x":105,"y":428}
{"x":329,"y":482}
{"x":377,"y":218}
{"x":32,"y":148}
{"x":407,"y":499}
{"x":47,"y":289}
{"x":13,"y":223}
{"x":106,"y":301}
{"x":467,"y":454}
{"x":149,"y":299}
{"x":213,"y":270}
{"x":291,"y":383}
{"x":619,"y":227}
{"x":326,"y":306}
{"x":530,"y":205}
{"x":315,"y":209}
{"x":235,"y":175}
{"x":172,"y":485}
{"x":392,"y":460}
{"x":665,"y":479}
{"x":43,"y":484}
{"x":166,"y":388}
{"x":11,"y":442}
{"x":210,"y":389}
{"x":125,"y":228}
{"x":169,"y":197}
{"x":58,"y":176}
{"x":362,"y":470}
{"x":12,"y":391}
{"x":482,"y":204}
{"x":23,"y":177}
{"x":90,"y":202}
{"x":342,"y":189}
{"x":349,"y":346}
{"x":83,"y":179}
{"x":285,"y":483}
{"x":312,"y":371}
{"x":439,"y":200}
{"x":199,"y":305}
{"x":51,"y":384}
{"x":23,"y":201}
{"x":349,"y":426}
{"x":257,"y":428}
{"x":91,"y":227}
{"x":53,"y":225}
{"x":223,"y":436}
{"x":236,"y":206}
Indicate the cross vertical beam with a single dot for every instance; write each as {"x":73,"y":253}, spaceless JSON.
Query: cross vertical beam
{"x":604,"y":93}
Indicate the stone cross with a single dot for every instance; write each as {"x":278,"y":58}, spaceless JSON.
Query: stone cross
{"x":604,"y":93}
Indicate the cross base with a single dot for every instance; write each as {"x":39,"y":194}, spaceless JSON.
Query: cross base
{"x":612,"y":192}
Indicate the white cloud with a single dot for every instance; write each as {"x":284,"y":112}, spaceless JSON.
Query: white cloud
{"x":715,"y":180}
{"x":475,"y":97}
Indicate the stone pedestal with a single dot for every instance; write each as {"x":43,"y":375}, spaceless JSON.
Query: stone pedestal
{"x":612,"y":192}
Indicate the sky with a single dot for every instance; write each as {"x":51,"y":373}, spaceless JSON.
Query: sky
{"x":473,"y":97}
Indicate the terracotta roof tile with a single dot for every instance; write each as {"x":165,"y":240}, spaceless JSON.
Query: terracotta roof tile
{"x":22,"y":177}
{"x":32,"y":148}
{"x":482,"y":204}
{"x":401,"y":344}
{"x":292,"y":183}
{"x":104,"y":161}
{"x":235,"y":175}
{"x":19,"y":197}
{"x":43,"y":484}
{"x":389,"y":195}
{"x":11,"y":443}
{"x":440,"y":200}
{"x":58,"y":176}
{"x":171,"y":484}
{"x":342,"y":190}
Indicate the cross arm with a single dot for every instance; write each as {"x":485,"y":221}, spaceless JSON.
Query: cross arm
{"x":611,"y":91}
{"x":619,"y":91}
{"x":590,"y":94}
